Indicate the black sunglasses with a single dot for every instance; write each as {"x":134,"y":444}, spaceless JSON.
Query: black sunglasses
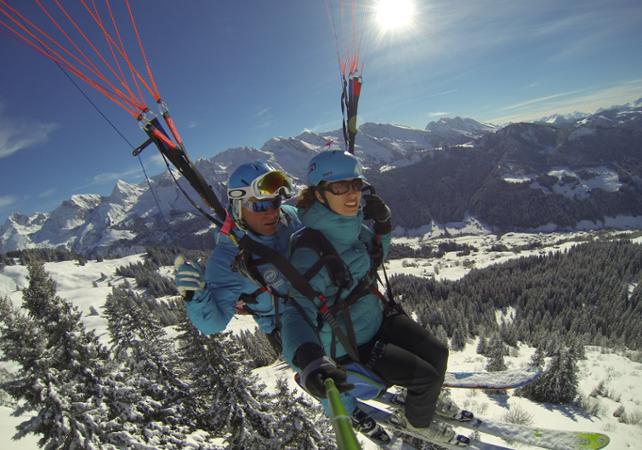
{"x":344,"y":186}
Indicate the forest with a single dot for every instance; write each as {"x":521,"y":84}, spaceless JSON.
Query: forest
{"x":149,"y":388}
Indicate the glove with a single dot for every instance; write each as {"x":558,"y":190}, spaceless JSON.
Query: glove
{"x":377,"y":210}
{"x":318,"y":371}
{"x":189,"y":277}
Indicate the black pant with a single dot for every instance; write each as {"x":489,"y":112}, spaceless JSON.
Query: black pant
{"x":408,"y":355}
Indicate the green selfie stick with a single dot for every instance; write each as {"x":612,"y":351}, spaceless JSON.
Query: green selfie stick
{"x":346,"y":439}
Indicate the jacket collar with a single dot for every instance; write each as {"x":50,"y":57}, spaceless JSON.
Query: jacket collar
{"x":341,"y":230}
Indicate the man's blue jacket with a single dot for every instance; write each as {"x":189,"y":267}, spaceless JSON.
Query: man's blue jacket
{"x":211,"y":309}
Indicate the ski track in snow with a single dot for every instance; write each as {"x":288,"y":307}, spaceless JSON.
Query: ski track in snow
{"x":88,"y":286}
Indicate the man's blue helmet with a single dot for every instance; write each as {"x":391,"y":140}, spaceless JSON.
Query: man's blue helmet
{"x":333,"y":165}
{"x":255,"y":180}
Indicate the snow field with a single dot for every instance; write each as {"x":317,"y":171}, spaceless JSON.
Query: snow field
{"x":88,"y":286}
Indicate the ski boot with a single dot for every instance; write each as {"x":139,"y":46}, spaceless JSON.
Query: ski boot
{"x":367,"y":426}
{"x":437,"y":431}
{"x":444,"y":407}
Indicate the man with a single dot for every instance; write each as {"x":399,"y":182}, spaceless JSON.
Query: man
{"x":234,"y":279}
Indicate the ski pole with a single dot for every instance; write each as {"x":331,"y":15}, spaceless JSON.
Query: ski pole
{"x":346,"y":439}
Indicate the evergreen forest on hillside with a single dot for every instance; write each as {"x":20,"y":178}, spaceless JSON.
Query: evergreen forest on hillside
{"x":592,"y":292}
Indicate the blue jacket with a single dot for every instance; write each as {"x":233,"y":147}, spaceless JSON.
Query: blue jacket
{"x":353,"y":242}
{"x":211,"y":309}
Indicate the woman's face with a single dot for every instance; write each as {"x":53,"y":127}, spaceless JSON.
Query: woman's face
{"x":343,"y":197}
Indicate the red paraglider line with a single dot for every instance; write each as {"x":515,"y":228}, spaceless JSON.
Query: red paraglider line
{"x":45,"y":50}
{"x":93,"y":47}
{"x":142,"y":50}
{"x":122,"y":48}
{"x":123,"y":54}
{"x":30,"y":38}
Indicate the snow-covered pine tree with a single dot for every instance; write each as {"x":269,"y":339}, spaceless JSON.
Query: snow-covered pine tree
{"x":301,"y":422}
{"x":559,"y":382}
{"x":441,"y":334}
{"x":63,"y":370}
{"x":243,"y":405}
{"x":224,"y":389}
{"x":163,"y":413}
{"x":257,"y":348}
{"x":196,"y":369}
{"x":482,"y":346}
{"x":458,"y":341}
{"x":537,"y":360}
{"x":496,"y":352}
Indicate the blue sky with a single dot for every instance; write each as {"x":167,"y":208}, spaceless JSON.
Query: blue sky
{"x":236,"y":73}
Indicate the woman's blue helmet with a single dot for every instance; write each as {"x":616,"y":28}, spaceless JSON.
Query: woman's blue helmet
{"x":333,"y":165}
{"x":258,"y":180}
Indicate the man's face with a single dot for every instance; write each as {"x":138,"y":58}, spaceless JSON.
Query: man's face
{"x":262,"y":216}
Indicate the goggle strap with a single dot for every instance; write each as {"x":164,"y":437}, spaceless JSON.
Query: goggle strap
{"x":228,"y":224}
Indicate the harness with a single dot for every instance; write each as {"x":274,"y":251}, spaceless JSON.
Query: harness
{"x":339,"y":274}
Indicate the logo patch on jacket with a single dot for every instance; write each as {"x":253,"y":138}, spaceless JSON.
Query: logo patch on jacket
{"x":270,"y":275}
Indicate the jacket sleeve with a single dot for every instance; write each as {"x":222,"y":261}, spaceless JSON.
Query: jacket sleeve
{"x":300,"y":313}
{"x":211,"y":309}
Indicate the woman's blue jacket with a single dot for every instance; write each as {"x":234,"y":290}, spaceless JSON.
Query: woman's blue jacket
{"x":354,"y":242}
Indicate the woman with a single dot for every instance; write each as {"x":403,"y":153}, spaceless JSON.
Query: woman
{"x":368,"y":333}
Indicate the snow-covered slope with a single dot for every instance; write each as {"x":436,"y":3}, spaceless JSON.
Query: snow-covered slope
{"x":87,"y":287}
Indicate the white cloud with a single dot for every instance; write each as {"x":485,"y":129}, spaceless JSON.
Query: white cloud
{"x":534,"y":101}
{"x":587,"y":100}
{"x":156,"y":159}
{"x":110,"y":177}
{"x":19,"y":134}
{"x":47,"y":193}
{"x":438,"y":114}
{"x":6,"y":200}
{"x":263,"y":117}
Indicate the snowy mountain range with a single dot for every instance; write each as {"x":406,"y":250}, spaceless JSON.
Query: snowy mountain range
{"x":454,"y":169}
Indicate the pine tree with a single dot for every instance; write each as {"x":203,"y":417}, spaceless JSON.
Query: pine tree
{"x":300,"y":422}
{"x":482,"y":346}
{"x":496,"y":352}
{"x":195,"y":367}
{"x":161,"y":402}
{"x":231,"y":401}
{"x":64,"y":369}
{"x":558,"y":384}
{"x":458,"y":341}
{"x":537,"y":360}
{"x":241,"y":403}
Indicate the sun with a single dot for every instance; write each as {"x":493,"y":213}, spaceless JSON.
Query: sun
{"x":393,"y":15}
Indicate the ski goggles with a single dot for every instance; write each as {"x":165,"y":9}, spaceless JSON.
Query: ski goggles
{"x":259,"y":206}
{"x":344,"y":186}
{"x":267,"y":186}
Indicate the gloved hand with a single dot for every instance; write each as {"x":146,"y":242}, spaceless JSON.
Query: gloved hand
{"x":189,"y":277}
{"x":377,"y":210}
{"x":316,"y":373}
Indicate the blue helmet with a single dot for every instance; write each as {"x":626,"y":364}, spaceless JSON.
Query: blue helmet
{"x":257,"y":180}
{"x":333,"y":165}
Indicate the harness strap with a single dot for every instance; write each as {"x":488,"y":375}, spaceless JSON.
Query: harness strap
{"x":300,"y":284}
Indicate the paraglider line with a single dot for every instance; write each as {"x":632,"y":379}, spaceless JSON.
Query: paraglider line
{"x":115,"y":128}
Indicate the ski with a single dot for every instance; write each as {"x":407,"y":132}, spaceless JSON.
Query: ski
{"x":506,"y":379}
{"x":383,"y":417}
{"x":541,"y":437}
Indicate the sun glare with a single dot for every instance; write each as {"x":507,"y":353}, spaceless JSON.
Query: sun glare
{"x":394,"y":14}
